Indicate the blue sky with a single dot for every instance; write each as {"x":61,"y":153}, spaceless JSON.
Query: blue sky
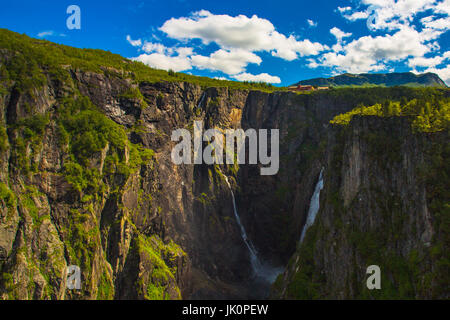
{"x":280,"y":42}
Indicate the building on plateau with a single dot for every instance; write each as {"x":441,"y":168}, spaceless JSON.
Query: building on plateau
{"x":306,"y":88}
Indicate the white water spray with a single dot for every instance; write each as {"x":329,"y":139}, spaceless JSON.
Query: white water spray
{"x":313,"y":206}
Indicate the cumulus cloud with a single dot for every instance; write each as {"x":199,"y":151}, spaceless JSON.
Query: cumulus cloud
{"x":232,"y":62}
{"x":239,"y":39}
{"x":412,"y":30}
{"x":407,"y":33}
{"x":159,"y":56}
{"x":394,"y":14}
{"x":155,"y":47}
{"x":358,"y":15}
{"x":184,"y":51}
{"x":263,"y":77}
{"x":339,"y":34}
{"x":228,"y":61}
{"x":438,"y":24}
{"x":429,"y":62}
{"x":373,"y":53}
{"x":241,"y":32}
{"x":165,"y":62}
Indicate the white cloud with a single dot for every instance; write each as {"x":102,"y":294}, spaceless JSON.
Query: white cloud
{"x":150,"y":47}
{"x":412,"y":30}
{"x":50,"y":33}
{"x":155,"y":47}
{"x":134,"y":43}
{"x":358,"y":15}
{"x":429,"y":62}
{"x":374,"y":53}
{"x":438,"y":24}
{"x":159,"y":56}
{"x":339,"y":34}
{"x":311,"y":23}
{"x":263,"y":77}
{"x":344,"y":9}
{"x":394,"y":14}
{"x":443,"y":73}
{"x":424,"y":62}
{"x":230,"y":62}
{"x":240,"y":32}
{"x":407,"y":39}
{"x":443,"y":7}
{"x":45,"y":33}
{"x":184,"y":51}
{"x":162,"y":61}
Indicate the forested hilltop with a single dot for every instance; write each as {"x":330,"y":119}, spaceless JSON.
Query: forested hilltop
{"x":56,"y":57}
{"x":379,"y":79}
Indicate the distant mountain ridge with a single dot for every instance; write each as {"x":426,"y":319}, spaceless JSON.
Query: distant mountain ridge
{"x":380,"y":79}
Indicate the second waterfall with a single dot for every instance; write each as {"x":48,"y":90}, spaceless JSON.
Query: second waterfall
{"x":313,"y":206}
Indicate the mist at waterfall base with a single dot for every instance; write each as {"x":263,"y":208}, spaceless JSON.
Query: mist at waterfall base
{"x":264,"y":274}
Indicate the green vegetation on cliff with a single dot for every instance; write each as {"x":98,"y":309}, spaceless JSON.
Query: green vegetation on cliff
{"x":429,"y":115}
{"x":32,"y":56}
{"x":93,"y":155}
{"x":380,"y":225}
{"x":159,"y":284}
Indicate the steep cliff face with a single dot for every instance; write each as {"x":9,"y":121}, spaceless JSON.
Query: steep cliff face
{"x":104,"y":195}
{"x":81,"y":194}
{"x":86,"y":179}
{"x":382,"y":204}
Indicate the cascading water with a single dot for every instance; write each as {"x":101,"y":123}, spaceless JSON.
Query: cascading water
{"x":264,"y":272}
{"x":201,"y":100}
{"x":313,"y":206}
{"x":251,"y":249}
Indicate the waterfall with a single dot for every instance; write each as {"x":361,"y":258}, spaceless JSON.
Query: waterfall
{"x":313,"y":206}
{"x":251,"y":249}
{"x":263,"y":271}
{"x":201,"y":100}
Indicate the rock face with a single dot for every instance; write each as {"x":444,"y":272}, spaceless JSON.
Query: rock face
{"x":156,"y":231}
{"x":86,"y":179}
{"x":380,"y":206}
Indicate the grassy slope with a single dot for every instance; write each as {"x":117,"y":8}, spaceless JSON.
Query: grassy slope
{"x":51,"y":56}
